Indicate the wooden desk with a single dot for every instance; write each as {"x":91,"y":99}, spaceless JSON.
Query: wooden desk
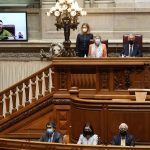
{"x":96,"y":77}
{"x":7,"y":144}
{"x":140,"y":94}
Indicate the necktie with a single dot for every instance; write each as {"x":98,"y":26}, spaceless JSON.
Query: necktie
{"x":130,"y":50}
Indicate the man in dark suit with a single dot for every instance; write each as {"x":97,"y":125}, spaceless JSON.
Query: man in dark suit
{"x":51,"y":135}
{"x":123,"y":138}
{"x":131,"y":49}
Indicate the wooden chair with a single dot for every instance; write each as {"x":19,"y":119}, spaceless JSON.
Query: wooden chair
{"x":66,"y":139}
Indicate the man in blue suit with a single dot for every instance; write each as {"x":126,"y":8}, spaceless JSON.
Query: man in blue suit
{"x":131,"y":49}
{"x":51,"y":135}
{"x":123,"y":138}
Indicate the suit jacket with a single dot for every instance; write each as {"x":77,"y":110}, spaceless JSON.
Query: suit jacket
{"x":82,"y":44}
{"x":93,"y":54}
{"x":116,"y":140}
{"x":57,"y":137}
{"x":135,"y":53}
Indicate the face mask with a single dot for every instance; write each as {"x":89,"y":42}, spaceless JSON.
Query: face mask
{"x":123,"y":133}
{"x":97,"y":41}
{"x":131,"y":42}
{"x":84,"y":29}
{"x":87,"y":132}
{"x":50,"y":131}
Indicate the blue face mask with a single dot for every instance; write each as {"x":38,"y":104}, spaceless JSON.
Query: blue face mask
{"x":50,"y":130}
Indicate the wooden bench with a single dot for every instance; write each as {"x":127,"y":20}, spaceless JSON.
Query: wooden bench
{"x":140,"y":94}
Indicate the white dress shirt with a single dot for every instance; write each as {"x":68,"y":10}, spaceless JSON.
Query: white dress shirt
{"x":123,"y":141}
{"x":130,"y":49}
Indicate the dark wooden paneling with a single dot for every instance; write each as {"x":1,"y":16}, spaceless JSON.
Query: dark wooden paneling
{"x":106,"y":116}
{"x":136,"y":116}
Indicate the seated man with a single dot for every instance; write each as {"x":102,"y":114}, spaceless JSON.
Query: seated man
{"x":123,"y":138}
{"x":131,"y":49}
{"x":4,"y":34}
{"x":51,"y":135}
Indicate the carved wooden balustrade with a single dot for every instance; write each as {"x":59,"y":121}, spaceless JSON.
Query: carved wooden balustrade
{"x":25,"y":92}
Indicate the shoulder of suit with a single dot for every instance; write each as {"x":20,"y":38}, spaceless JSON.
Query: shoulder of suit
{"x":130,"y":135}
{"x":57,"y":133}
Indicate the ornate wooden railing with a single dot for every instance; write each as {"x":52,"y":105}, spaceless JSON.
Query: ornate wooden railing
{"x":25,"y":92}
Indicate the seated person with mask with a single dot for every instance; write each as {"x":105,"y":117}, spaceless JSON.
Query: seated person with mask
{"x":131,"y":49}
{"x":51,"y":135}
{"x":88,"y":136}
{"x":97,"y":49}
{"x":123,"y":138}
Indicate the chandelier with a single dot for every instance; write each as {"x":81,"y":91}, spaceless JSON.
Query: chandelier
{"x":66,"y":13}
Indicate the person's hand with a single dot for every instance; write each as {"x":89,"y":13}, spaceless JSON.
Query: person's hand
{"x":123,"y":56}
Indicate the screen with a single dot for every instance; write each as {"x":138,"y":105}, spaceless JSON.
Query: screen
{"x":13,"y":26}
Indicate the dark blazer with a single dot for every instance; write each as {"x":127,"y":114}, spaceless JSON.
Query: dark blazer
{"x":82,"y":44}
{"x":130,"y":141}
{"x":57,"y":137}
{"x":135,"y":53}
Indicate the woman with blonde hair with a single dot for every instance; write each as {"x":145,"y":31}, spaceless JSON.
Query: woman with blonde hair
{"x":83,"y":40}
{"x":97,"y":49}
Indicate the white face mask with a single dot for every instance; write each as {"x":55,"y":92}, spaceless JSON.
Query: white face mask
{"x":84,"y":29}
{"x":97,"y":41}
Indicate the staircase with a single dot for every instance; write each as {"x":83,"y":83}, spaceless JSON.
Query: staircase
{"x":18,"y":103}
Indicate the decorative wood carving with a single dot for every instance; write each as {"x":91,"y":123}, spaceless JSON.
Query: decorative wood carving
{"x":63,"y":80}
{"x":14,"y":100}
{"x":20,"y":92}
{"x":46,"y":72}
{"x":1,"y":107}
{"x":94,"y":76}
{"x":62,"y":101}
{"x":84,"y":80}
{"x":7,"y":101}
{"x":122,"y":79}
{"x":40,"y":85}
{"x":27,"y":102}
{"x":104,"y":80}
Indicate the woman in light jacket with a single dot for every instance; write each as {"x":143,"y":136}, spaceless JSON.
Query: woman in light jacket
{"x":88,"y":137}
{"x":97,"y":49}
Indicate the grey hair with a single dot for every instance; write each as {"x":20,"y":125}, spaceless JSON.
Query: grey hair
{"x":123,"y":126}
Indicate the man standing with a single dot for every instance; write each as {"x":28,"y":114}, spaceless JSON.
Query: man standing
{"x":51,"y":135}
{"x":131,"y":49}
{"x":123,"y":138}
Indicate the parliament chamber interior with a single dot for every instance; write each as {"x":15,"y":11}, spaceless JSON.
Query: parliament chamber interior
{"x":46,"y":76}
